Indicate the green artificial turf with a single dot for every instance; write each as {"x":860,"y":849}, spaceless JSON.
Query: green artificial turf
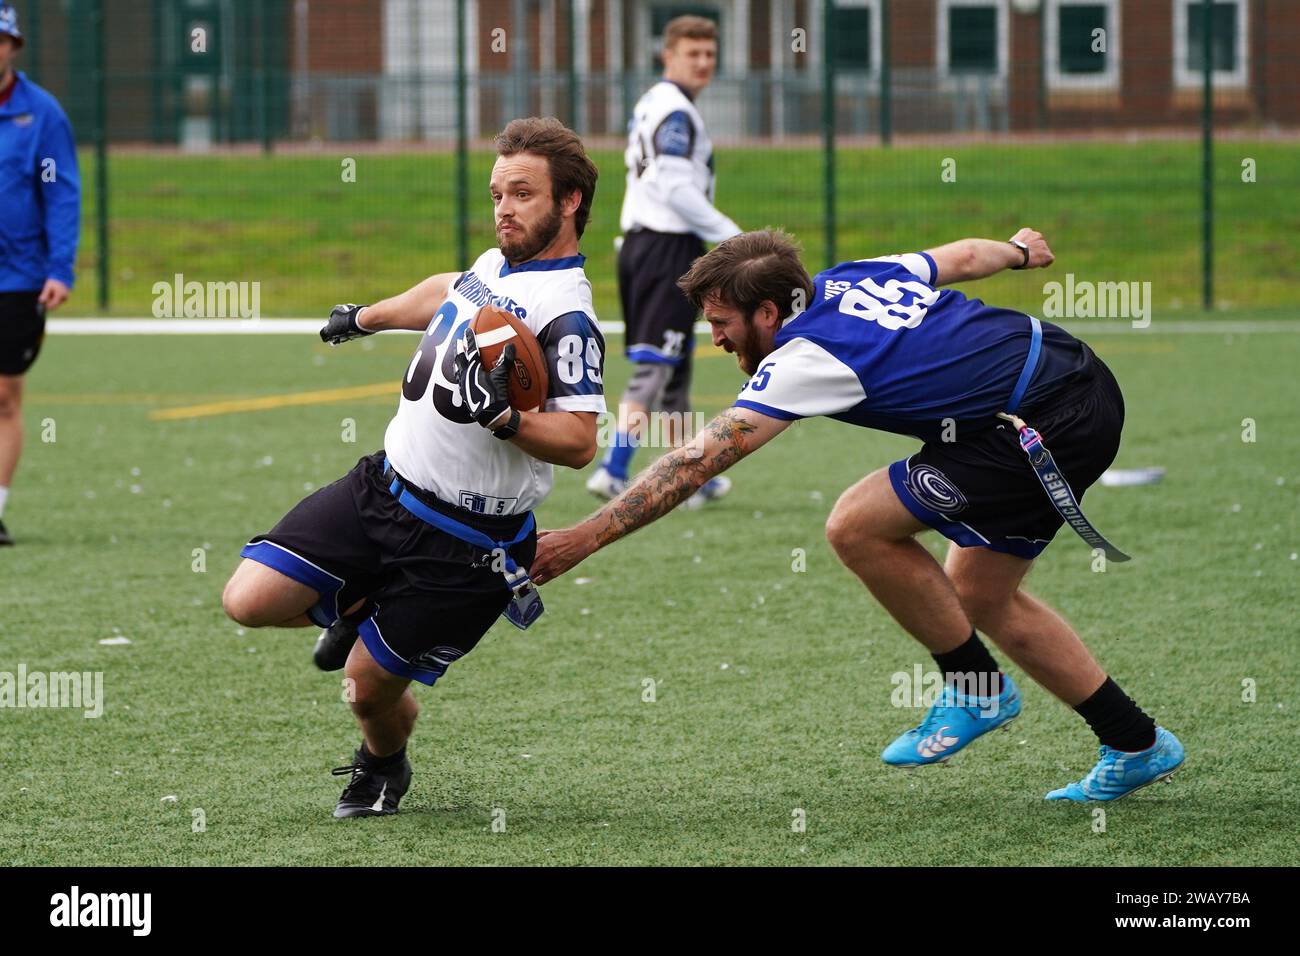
{"x":1113,"y":211}
{"x":772,"y":686}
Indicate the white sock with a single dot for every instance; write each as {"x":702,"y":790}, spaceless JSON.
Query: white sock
{"x":4,"y":496}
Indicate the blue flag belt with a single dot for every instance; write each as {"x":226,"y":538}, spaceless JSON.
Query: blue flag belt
{"x":525,"y":604}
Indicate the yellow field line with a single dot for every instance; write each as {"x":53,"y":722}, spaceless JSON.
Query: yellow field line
{"x":267,"y":402}
{"x":115,"y":398}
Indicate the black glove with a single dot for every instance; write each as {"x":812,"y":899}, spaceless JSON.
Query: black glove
{"x":486,"y":393}
{"x":342,"y":325}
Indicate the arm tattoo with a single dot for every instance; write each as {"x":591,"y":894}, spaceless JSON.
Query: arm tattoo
{"x":674,"y":478}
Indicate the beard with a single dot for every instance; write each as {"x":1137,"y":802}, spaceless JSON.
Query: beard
{"x":529,"y":242}
{"x":748,"y":354}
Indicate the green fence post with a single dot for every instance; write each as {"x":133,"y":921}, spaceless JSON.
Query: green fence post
{"x":33,"y":30}
{"x":264,"y":78}
{"x":828,"y":126}
{"x":573,"y":68}
{"x":886,"y":78}
{"x":1207,"y":158}
{"x":462,"y":145}
{"x":1042,"y":65}
{"x":100,"y":79}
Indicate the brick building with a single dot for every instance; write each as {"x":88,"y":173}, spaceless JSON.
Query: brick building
{"x":385,"y":69}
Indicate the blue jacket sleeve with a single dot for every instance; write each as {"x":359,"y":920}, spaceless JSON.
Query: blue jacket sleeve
{"x":60,"y":186}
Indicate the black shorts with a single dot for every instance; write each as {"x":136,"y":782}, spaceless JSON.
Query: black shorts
{"x":659,"y":320}
{"x":431,"y":595}
{"x":981,"y":491}
{"x":22,"y":330}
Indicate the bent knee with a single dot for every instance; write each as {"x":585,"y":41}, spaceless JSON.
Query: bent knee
{"x":866,"y":517}
{"x":851,"y":532}
{"x":841,"y":533}
{"x":241,"y":605}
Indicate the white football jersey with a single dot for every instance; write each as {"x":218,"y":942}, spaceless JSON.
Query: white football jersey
{"x":434,"y":444}
{"x":669,"y":160}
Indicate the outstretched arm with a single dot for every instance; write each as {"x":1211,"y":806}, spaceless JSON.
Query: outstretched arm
{"x":658,"y":490}
{"x":411,"y":309}
{"x":968,"y":259}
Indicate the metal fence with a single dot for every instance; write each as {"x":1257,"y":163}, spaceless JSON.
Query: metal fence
{"x":1151,"y":140}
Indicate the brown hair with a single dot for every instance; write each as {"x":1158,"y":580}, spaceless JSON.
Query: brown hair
{"x":570,"y":166}
{"x":689,"y":28}
{"x":746,"y":270}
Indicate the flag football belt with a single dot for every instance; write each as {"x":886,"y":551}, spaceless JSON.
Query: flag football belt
{"x":1058,"y":489}
{"x":525,"y":605}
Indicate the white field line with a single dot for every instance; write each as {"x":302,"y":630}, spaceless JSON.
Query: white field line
{"x":149,"y":326}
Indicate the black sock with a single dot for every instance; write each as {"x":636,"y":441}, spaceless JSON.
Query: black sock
{"x":381,"y":763}
{"x":973,"y":660}
{"x":1116,"y":720}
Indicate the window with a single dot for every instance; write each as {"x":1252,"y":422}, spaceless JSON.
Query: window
{"x":1228,"y":48}
{"x":1082,"y":44}
{"x":855,"y":35}
{"x":972,"y":38}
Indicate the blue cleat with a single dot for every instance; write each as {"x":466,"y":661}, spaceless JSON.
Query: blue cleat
{"x":953,"y":721}
{"x":1119,"y":772}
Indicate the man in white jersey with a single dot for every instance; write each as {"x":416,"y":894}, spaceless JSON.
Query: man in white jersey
{"x":422,"y":546}
{"x":668,"y":215}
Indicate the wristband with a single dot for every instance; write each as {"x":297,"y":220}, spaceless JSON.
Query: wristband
{"x":510,"y":429}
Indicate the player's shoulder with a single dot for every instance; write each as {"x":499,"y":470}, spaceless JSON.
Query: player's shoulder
{"x":803,"y":376}
{"x":809,"y":337}
{"x":823,"y":340}
{"x":488,"y":262}
{"x":838,"y":279}
{"x":551,"y":288}
{"x":664,"y":99}
{"x":40,"y":99}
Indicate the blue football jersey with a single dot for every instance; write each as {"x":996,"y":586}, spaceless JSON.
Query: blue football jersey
{"x":880,"y":346}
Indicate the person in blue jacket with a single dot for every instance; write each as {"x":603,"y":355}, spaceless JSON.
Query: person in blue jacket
{"x":40,"y":211}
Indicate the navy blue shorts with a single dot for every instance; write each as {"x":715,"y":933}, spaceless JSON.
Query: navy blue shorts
{"x":981,"y":491}
{"x":429,"y":595}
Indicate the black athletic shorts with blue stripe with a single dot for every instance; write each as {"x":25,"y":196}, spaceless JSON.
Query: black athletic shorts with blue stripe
{"x":430,"y":596}
{"x":981,"y":491}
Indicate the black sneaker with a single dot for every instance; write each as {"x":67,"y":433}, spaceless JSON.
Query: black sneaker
{"x":370,"y":792}
{"x":334,"y":645}
{"x":4,"y":536}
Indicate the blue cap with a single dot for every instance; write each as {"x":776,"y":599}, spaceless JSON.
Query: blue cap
{"x":9,"y":22}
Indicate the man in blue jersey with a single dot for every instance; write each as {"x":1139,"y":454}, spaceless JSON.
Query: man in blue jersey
{"x":878,"y":343}
{"x":40,"y":209}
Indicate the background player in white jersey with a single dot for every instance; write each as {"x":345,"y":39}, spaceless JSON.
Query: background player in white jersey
{"x":668,"y":215}
{"x":419,"y":550}
{"x":880,"y":345}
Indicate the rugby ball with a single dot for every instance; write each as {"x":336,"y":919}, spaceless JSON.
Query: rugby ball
{"x":494,"y":329}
